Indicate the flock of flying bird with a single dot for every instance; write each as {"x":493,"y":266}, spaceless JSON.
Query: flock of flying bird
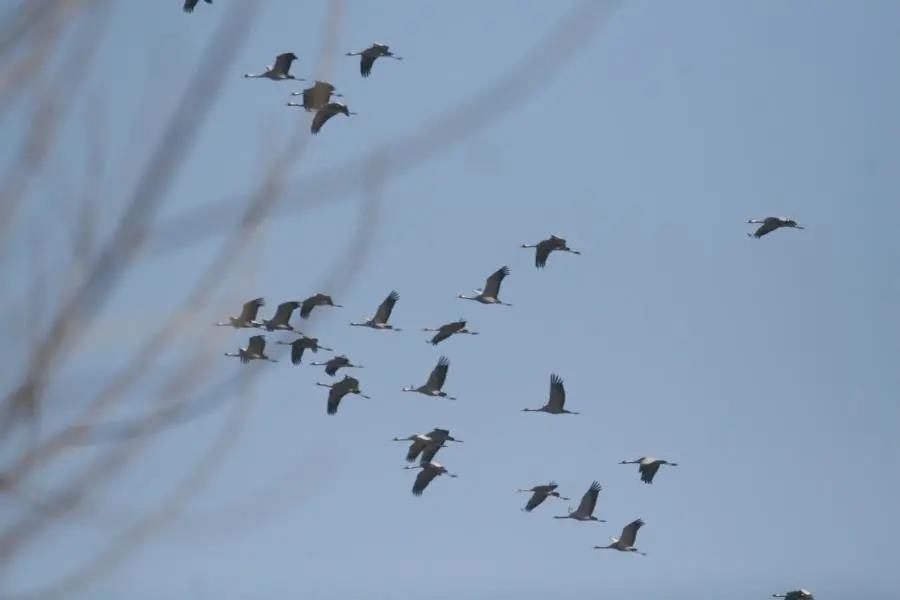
{"x":424,"y":446}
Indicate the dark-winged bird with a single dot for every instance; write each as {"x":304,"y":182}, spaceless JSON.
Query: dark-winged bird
{"x":426,"y":444}
{"x":335,"y":363}
{"x":255,"y":350}
{"x":625,"y":541}
{"x":301,"y":344}
{"x":435,"y":381}
{"x":368,"y":56}
{"x":545,"y":247}
{"x":539,"y":493}
{"x":445,"y":331}
{"x":770,"y":224}
{"x":491,"y":292}
{"x":281,"y":320}
{"x":648,"y":466}
{"x":280,"y":71}
{"x":380,"y":320}
{"x":347,"y":385}
{"x":556,"y":403}
{"x":247,"y":318}
{"x":315,"y":97}
{"x":585,"y":510}
{"x":795,"y":595}
{"x":430,"y":470}
{"x":310,"y":303}
{"x":326,"y":112}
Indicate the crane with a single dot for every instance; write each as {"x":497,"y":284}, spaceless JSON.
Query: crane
{"x":556,"y":403}
{"x":190,"y":4}
{"x":539,"y":493}
{"x":427,"y":444}
{"x":281,"y":320}
{"x":247,"y":318}
{"x":333,"y":364}
{"x":326,"y":112}
{"x":445,"y":331}
{"x":795,"y":595}
{"x":770,"y":224}
{"x":255,"y":350}
{"x":435,"y":381}
{"x":585,"y":510}
{"x":347,"y":385}
{"x":625,"y":541}
{"x":430,"y":470}
{"x":279,"y":71}
{"x":315,"y":97}
{"x":648,"y":466}
{"x":490,"y":293}
{"x":545,"y":247}
{"x":310,"y":303}
{"x":301,"y":344}
{"x":369,"y":55}
{"x":380,"y":320}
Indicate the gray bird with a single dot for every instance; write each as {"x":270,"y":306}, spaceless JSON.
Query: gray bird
{"x":247,"y":318}
{"x":255,"y":350}
{"x":556,"y":403}
{"x":302,"y":344}
{"x":545,"y":247}
{"x":430,"y":470}
{"x":770,"y":224}
{"x":648,"y":466}
{"x":368,"y":56}
{"x":335,"y":363}
{"x":585,"y":510}
{"x":326,"y":112}
{"x":347,"y":385}
{"x":427,"y":444}
{"x":625,"y":541}
{"x":380,"y":320}
{"x":491,"y":292}
{"x":315,"y":97}
{"x":539,"y":493}
{"x":280,"y":70}
{"x":435,"y":381}
{"x":445,"y":331}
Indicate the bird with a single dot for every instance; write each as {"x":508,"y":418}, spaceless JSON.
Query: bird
{"x":347,"y":385}
{"x":795,"y":595}
{"x":585,"y":510}
{"x":369,"y":55}
{"x":435,"y":381}
{"x":430,"y":470}
{"x":380,"y":320}
{"x":555,"y":405}
{"x":315,"y":97}
{"x":648,"y":466}
{"x":770,"y":224}
{"x":326,"y":112}
{"x":427,"y":444}
{"x":539,"y":493}
{"x":333,"y":364}
{"x":545,"y":247}
{"x":303,"y":343}
{"x":280,"y":70}
{"x":247,"y":318}
{"x":310,"y":303}
{"x":190,"y":4}
{"x":445,"y":331}
{"x":625,"y":541}
{"x":282,"y":317}
{"x":255,"y":350}
{"x":490,"y":293}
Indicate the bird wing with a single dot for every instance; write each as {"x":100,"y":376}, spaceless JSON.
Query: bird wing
{"x":629,"y":533}
{"x":334,"y":399}
{"x":308,"y":304}
{"x":589,"y":500}
{"x":439,"y":434}
{"x":542,"y":253}
{"x":557,"y":393}
{"x":251,"y":308}
{"x":769,"y":225}
{"x":366,"y":60}
{"x":422,"y":481}
{"x":297,"y":348}
{"x":438,"y":374}
{"x":536,"y":498}
{"x":415,"y":449}
{"x":189,"y":5}
{"x":431,"y":449}
{"x":322,"y":115}
{"x":492,"y":285}
{"x":283,"y":63}
{"x":648,"y":471}
{"x":283,"y":312}
{"x":441,"y":335}
{"x":545,"y":488}
{"x":384,"y":309}
{"x":256,"y":345}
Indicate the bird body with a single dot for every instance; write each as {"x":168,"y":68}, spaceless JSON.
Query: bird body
{"x":556,"y":403}
{"x":347,"y":385}
{"x":426,"y":444}
{"x":326,"y":112}
{"x":368,"y":56}
{"x":300,"y":345}
{"x":247,"y":318}
{"x":545,"y":247}
{"x":255,"y":350}
{"x":280,"y":71}
{"x":430,"y":470}
{"x":539,"y":493}
{"x":445,"y":331}
{"x":585,"y":510}
{"x":625,"y":542}
{"x":315,"y":97}
{"x":770,"y":224}
{"x":795,"y":595}
{"x":491,"y":292}
{"x":310,"y":303}
{"x":380,"y":320}
{"x":648,"y":466}
{"x":335,"y":363}
{"x":435,"y":382}
{"x":281,"y":320}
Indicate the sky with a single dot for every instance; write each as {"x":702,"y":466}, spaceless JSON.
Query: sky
{"x":765,"y":368}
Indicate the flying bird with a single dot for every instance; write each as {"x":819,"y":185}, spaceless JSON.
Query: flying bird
{"x":255,"y":350}
{"x":648,"y":466}
{"x":556,"y":403}
{"x":445,"y":331}
{"x":625,"y":541}
{"x":315,"y":97}
{"x":585,"y":510}
{"x":280,"y":70}
{"x":770,"y":224}
{"x":190,"y":4}
{"x":435,"y":381}
{"x":281,"y":320}
{"x":380,"y":320}
{"x":545,"y":247}
{"x":369,"y":55}
{"x":326,"y":112}
{"x":491,"y":292}
{"x":247,"y":318}
{"x":795,"y":595}
{"x":427,"y":444}
{"x":539,"y":493}
{"x":430,"y":470}
{"x":301,"y":344}
{"x":347,"y":385}
{"x":335,"y":363}
{"x":310,"y":303}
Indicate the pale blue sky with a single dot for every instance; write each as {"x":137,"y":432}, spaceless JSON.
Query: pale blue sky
{"x":766,"y":368}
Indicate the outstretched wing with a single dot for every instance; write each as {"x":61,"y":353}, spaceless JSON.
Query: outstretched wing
{"x":283,"y":63}
{"x":307,"y":306}
{"x":438,"y":374}
{"x":629,"y":533}
{"x":492,"y":285}
{"x":297,"y":348}
{"x":589,"y":500}
{"x":384,"y":310}
{"x":422,"y":481}
{"x":536,"y":499}
{"x":366,"y":60}
{"x":257,"y":345}
{"x":322,"y":115}
{"x":557,"y":393}
{"x":542,"y":253}
{"x":648,"y":471}
{"x":250,"y":309}
{"x":769,"y":225}
{"x":284,"y":311}
{"x":334,"y":399}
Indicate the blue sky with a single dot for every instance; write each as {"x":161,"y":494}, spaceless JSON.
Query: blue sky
{"x":766,"y":368}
